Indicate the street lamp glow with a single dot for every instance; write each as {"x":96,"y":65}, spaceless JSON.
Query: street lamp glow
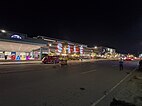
{"x":3,"y":31}
{"x":95,"y":47}
{"x":50,"y":44}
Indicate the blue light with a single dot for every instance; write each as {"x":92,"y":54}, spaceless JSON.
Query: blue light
{"x":18,"y":58}
{"x":16,"y":37}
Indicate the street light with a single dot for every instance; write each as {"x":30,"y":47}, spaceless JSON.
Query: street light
{"x":50,"y":44}
{"x":95,"y":47}
{"x":3,"y":31}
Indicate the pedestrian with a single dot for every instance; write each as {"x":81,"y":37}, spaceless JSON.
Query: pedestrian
{"x":5,"y":57}
{"x":121,"y":64}
{"x":140,"y":65}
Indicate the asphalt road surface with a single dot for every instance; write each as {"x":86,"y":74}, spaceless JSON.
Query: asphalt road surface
{"x":79,"y":84}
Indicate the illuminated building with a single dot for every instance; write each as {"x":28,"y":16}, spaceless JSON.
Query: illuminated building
{"x":17,"y":46}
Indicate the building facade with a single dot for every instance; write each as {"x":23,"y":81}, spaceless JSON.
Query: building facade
{"x":17,"y":46}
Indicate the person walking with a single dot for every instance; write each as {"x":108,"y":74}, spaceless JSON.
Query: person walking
{"x":121,"y":64}
{"x":5,"y":57}
{"x":140,"y":65}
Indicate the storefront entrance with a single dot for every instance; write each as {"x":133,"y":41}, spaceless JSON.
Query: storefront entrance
{"x":19,"y":51}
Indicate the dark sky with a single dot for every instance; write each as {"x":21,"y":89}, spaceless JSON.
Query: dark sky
{"x":112,"y":24}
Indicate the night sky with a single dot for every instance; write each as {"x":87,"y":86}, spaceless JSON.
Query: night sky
{"x":116,"y":25}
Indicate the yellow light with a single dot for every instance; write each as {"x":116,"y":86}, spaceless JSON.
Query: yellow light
{"x":50,"y":44}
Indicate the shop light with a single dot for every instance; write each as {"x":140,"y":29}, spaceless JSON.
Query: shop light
{"x":64,"y":54}
{"x":50,"y":44}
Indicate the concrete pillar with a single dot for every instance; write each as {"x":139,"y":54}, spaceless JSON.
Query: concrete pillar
{"x":49,"y":50}
{"x":32,"y":53}
{"x":40,"y":55}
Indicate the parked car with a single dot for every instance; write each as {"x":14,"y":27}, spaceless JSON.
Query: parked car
{"x":50,"y":60}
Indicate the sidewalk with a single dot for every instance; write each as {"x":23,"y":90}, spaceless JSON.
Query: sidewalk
{"x":19,"y":62}
{"x":131,"y":91}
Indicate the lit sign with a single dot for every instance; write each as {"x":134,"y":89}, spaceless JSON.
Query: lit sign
{"x":104,"y":50}
{"x":69,"y":50}
{"x":77,"y":49}
{"x":18,"y":58}
{"x":59,"y":47}
{"x":81,"y":49}
{"x":74,"y":49}
{"x":16,"y":37}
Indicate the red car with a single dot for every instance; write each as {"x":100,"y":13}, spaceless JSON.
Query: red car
{"x":128,"y":58}
{"x":50,"y":59}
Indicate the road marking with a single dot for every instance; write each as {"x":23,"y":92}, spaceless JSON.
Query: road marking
{"x":88,"y":72}
{"x":100,"y":99}
{"x":115,"y":65}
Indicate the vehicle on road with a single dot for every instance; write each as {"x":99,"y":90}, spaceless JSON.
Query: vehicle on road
{"x":50,"y":60}
{"x":128,"y":58}
{"x":63,"y":60}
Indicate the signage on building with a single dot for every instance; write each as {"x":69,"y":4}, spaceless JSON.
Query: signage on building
{"x":81,"y":49}
{"x":59,"y":47}
{"x":69,"y":50}
{"x":74,"y":49}
{"x":77,"y":49}
{"x":16,"y":37}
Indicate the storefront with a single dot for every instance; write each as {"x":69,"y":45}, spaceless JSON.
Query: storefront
{"x":15,"y":46}
{"x":65,"y":48}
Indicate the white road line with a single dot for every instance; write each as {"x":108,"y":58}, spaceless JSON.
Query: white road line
{"x":100,"y":99}
{"x":115,"y":65}
{"x":88,"y":72}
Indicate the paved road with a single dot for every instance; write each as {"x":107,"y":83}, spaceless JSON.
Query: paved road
{"x":48,"y":85}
